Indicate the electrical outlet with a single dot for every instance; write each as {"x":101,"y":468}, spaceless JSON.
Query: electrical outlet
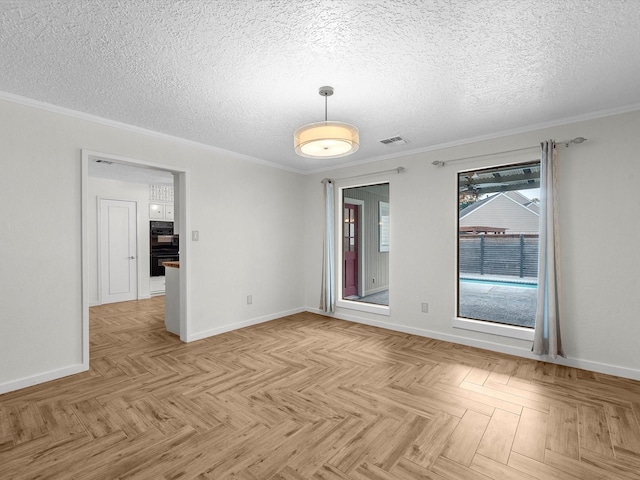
{"x":249,"y":299}
{"x":425,"y":308}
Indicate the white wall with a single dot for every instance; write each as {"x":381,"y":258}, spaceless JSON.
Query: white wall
{"x":599,"y":205}
{"x":260,"y":233}
{"x":249,"y":217}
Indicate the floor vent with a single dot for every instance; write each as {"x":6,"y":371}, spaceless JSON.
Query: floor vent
{"x":394,"y":141}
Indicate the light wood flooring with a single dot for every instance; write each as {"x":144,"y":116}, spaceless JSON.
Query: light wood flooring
{"x":308,"y":397}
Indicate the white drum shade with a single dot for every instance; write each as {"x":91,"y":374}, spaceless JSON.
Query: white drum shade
{"x":326,"y":140}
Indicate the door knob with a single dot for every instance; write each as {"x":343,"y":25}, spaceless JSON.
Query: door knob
{"x":132,"y":257}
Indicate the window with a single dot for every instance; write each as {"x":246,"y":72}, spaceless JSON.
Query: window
{"x":365,"y":246}
{"x":383,"y":235}
{"x":498,"y":221}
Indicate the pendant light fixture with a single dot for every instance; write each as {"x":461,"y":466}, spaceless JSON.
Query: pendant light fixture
{"x":326,"y":139}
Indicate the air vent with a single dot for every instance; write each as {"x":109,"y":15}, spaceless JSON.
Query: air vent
{"x":394,"y":141}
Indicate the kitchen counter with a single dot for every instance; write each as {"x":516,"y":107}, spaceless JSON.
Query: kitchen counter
{"x":172,"y":297}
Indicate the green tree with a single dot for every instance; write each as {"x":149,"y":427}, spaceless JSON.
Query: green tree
{"x":464,"y":204}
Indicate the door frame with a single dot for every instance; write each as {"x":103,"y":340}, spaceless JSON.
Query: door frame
{"x":183,"y":180}
{"x":360,"y":205}
{"x":101,"y":239}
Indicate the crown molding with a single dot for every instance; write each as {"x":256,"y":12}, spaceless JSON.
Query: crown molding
{"x":30,"y":102}
{"x":490,"y":136}
{"x":10,"y":97}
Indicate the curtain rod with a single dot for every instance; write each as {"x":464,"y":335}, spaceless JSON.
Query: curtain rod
{"x":397,"y":170}
{"x":442,"y":163}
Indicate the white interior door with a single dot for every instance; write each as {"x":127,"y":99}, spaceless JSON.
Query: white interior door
{"x":118,"y":259}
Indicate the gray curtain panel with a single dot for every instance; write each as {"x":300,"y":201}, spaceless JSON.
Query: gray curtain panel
{"x":328,"y":295}
{"x":547,"y":338}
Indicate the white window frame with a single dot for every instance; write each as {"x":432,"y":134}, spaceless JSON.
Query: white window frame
{"x":486,"y":326}
{"x":339,"y":232}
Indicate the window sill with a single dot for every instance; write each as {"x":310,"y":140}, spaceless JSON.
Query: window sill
{"x":364,"y":307}
{"x":511,"y":331}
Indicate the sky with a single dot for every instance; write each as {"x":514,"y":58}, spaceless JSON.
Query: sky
{"x":531,"y":193}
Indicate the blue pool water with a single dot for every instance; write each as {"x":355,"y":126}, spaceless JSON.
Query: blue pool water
{"x":501,"y":283}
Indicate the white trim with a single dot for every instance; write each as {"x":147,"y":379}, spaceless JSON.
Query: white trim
{"x":185,"y":224}
{"x":360,"y":204}
{"x":364,"y":307}
{"x":511,"y":331}
{"x":479,"y":207}
{"x":491,"y":136}
{"x":42,"y":378}
{"x":489,"y":327}
{"x":132,"y":161}
{"x":340,"y":302}
{"x":375,"y":290}
{"x":184,"y":204}
{"x":494,"y":197}
{"x":598,"y":367}
{"x":84,"y":255}
{"x":245,"y":323}
{"x":99,"y":247}
{"x":29,"y":102}
{"x":504,"y":194}
{"x":10,"y":97}
{"x":527,"y":199}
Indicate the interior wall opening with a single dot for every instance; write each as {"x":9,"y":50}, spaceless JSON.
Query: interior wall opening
{"x":111,"y":184}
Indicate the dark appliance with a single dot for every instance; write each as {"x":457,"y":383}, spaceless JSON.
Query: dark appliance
{"x":164,"y":246}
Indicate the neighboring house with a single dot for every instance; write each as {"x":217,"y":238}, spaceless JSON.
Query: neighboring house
{"x":504,"y":212}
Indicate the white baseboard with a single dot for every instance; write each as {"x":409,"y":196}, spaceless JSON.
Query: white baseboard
{"x":590,"y":365}
{"x":245,"y":323}
{"x":599,"y":367}
{"x":375,"y":290}
{"x":41,"y":378}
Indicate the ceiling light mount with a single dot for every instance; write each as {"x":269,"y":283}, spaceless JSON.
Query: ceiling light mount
{"x":326,"y":139}
{"x":326,"y":91}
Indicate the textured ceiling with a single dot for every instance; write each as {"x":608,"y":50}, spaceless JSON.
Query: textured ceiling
{"x":243,"y":75}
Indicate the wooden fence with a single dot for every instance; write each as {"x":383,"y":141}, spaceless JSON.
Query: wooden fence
{"x":506,"y":254}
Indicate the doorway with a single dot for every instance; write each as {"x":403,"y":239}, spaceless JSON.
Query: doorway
{"x":181,"y":184}
{"x":350,"y":250}
{"x":117,"y":246}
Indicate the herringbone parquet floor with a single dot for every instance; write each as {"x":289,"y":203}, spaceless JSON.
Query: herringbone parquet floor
{"x":307,"y":397}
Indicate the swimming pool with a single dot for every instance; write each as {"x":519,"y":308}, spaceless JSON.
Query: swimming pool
{"x":499,"y":283}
